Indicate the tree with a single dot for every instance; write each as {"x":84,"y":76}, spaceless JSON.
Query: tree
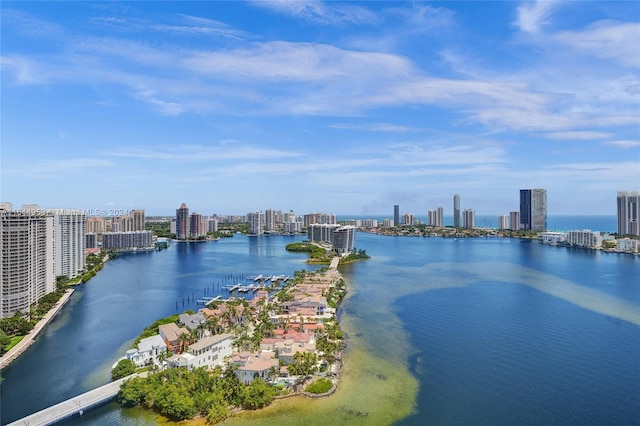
{"x":4,"y":342}
{"x":132,"y":392}
{"x":257,"y":395}
{"x":185,"y":340}
{"x":304,"y":364}
{"x":124,"y":368}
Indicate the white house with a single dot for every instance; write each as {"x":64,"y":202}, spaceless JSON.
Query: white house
{"x":148,"y":350}
{"x":206,"y":352}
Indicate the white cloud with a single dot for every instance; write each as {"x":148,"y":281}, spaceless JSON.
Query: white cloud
{"x":372,"y":127}
{"x":625,"y":144}
{"x":619,"y":41}
{"x":532,"y":16}
{"x":198,"y":153}
{"x":578,"y":135}
{"x":318,"y":12}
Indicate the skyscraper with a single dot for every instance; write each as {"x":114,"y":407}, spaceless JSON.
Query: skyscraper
{"x":256,"y":223}
{"x":456,"y":211}
{"x":26,"y":259}
{"x":138,"y":220}
{"x":69,"y":228}
{"x":182,"y":222}
{"x":628,"y":213}
{"x":396,"y":215}
{"x":503,"y":221}
{"x":514,"y":220}
{"x":436,"y":217}
{"x":196,"y":226}
{"x":468,"y":218}
{"x":533,"y":209}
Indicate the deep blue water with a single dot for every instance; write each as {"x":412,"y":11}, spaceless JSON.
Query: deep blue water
{"x":486,"y":356}
{"x":486,"y":346}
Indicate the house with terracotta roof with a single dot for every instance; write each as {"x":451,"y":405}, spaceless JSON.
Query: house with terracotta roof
{"x":171,"y":333}
{"x":250,"y":366}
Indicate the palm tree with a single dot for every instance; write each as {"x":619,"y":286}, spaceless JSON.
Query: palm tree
{"x":185,"y":340}
{"x":212,"y":324}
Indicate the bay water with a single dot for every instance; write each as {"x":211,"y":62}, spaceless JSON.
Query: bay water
{"x":439,"y":331}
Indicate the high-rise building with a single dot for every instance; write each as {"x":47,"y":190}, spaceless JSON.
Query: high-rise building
{"x":127,"y":240}
{"x":91,"y":240}
{"x":27,"y":270}
{"x":96,"y":224}
{"x":270,"y":220}
{"x":503,"y":221}
{"x":436,"y":217}
{"x":408,"y":219}
{"x":212,"y":224}
{"x":514,"y":220}
{"x":456,"y":211}
{"x":197,"y":227}
{"x":321,"y":218}
{"x":138,"y":220}
{"x":256,"y":221}
{"x":468,"y":218}
{"x":69,"y":228}
{"x":341,"y":237}
{"x":628,"y":213}
{"x":533,"y":209}
{"x":182,"y":222}
{"x":396,"y":215}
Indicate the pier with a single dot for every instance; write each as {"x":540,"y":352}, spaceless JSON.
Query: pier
{"x":75,"y":406}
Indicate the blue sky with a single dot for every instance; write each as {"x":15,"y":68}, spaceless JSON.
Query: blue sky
{"x":341,"y":107}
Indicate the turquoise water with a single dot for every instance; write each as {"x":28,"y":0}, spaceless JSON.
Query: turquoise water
{"x":498,"y":331}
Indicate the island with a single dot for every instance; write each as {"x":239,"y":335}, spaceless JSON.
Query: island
{"x":237,"y":354}
{"x":324,"y":253}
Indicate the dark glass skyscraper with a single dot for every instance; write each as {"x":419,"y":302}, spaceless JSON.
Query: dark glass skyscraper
{"x":396,"y":215}
{"x":456,"y":211}
{"x":533,"y":209}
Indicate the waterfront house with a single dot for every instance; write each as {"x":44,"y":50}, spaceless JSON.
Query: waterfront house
{"x":171,"y":333}
{"x":191,"y":321}
{"x":250,"y":366}
{"x":207,"y":352}
{"x":147,"y":352}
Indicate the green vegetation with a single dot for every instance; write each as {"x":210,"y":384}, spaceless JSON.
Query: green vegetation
{"x":304,"y":364}
{"x":153,"y":328}
{"x":14,"y":328}
{"x":320,"y":386}
{"x":160,"y":229}
{"x":354,"y":256}
{"x":227,"y":229}
{"x":124,"y":368}
{"x":317,"y":254}
{"x":182,"y":394}
{"x":609,"y":244}
{"x":95,"y":262}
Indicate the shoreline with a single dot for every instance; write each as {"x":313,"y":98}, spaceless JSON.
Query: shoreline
{"x":29,"y":339}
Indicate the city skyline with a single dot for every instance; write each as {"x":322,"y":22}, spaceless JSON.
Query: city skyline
{"x":319,"y":106}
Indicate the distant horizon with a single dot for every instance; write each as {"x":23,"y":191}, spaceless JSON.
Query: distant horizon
{"x":319,"y":106}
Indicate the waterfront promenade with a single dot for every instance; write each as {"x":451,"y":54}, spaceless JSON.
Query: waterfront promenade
{"x":28,"y":340}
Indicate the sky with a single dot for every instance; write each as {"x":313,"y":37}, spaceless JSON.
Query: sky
{"x":338,"y":107}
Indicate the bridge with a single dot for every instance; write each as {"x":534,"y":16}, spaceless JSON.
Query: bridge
{"x":73,"y":406}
